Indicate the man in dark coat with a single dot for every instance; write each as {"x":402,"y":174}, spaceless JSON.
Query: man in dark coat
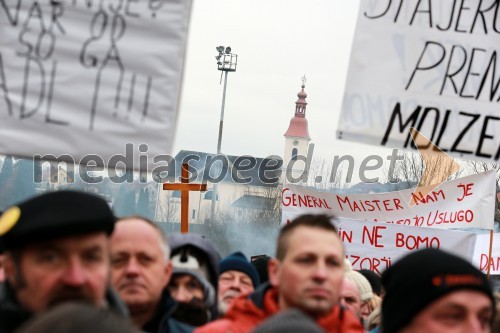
{"x":140,"y":271}
{"x":194,"y":279}
{"x":56,"y":250}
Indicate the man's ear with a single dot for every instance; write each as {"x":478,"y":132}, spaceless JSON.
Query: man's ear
{"x":10,"y":269}
{"x":274,"y":271}
{"x":168,"y":272}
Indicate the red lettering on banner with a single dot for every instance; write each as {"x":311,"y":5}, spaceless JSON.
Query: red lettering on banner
{"x":467,"y":188}
{"x":434,"y":196}
{"x":411,"y":242}
{"x":403,"y":221}
{"x":302,"y":201}
{"x":372,"y":235}
{"x":460,"y":216}
{"x":355,"y":207}
{"x":369,"y":205}
{"x":397,"y":203}
{"x":297,"y":200}
{"x":378,"y":265}
{"x":345,"y":235}
{"x":494,"y":263}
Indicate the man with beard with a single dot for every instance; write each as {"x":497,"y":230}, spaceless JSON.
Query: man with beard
{"x":194,"y":278}
{"x":56,"y":250}
{"x":140,"y":271}
{"x":237,"y":277}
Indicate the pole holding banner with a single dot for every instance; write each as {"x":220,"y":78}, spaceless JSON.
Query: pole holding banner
{"x":489,"y":253}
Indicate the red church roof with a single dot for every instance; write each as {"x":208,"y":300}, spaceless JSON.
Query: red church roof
{"x":298,"y":128}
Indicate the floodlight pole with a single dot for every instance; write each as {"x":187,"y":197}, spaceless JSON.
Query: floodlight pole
{"x":221,"y":123}
{"x":226,"y":62}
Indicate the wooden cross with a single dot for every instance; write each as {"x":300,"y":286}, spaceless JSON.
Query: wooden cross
{"x":185,"y":188}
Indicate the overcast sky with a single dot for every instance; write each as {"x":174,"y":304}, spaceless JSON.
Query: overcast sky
{"x":277,"y":42}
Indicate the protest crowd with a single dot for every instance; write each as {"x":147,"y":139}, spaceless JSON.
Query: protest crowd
{"x":69,"y":265}
{"x":97,"y":86}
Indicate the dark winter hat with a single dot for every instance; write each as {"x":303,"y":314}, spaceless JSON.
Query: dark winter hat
{"x":54,"y":215}
{"x":289,"y":321}
{"x":260,"y":265}
{"x":374,"y":280}
{"x":238,"y":262}
{"x":422,"y":277}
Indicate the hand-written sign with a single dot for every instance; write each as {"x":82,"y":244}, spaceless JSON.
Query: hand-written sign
{"x":83,"y":77}
{"x":375,"y":246}
{"x":466,"y":202}
{"x":481,"y":253}
{"x":432,"y":65}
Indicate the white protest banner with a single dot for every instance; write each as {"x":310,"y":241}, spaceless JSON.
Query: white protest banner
{"x":482,"y":250}
{"x":432,"y":65}
{"x":91,"y":81}
{"x":375,"y":246}
{"x":466,"y":202}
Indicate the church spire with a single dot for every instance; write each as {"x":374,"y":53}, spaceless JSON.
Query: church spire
{"x":298,"y":124}
{"x":300,"y":104}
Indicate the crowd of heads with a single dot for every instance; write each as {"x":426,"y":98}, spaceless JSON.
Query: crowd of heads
{"x":71,"y":266}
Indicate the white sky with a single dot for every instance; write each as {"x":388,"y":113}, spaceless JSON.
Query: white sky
{"x":277,"y":42}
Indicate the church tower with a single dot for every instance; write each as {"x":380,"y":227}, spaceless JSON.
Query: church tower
{"x":297,"y":136}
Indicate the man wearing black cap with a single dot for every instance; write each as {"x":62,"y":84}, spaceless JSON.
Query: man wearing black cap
{"x":432,"y":291}
{"x":56,"y":250}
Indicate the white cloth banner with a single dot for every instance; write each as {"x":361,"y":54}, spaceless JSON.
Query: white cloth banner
{"x":98,"y":78}
{"x":376,"y":246}
{"x":430,"y":64}
{"x":482,"y":250}
{"x":466,"y":202}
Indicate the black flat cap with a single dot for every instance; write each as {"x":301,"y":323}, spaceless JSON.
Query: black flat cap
{"x":54,"y":215}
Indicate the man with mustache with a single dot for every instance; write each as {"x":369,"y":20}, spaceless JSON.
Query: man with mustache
{"x":56,"y":250}
{"x":194,"y":278}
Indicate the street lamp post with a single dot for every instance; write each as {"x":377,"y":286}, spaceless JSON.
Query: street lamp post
{"x":226,"y":62}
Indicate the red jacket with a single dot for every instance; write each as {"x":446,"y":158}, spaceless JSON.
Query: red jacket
{"x":248,"y":312}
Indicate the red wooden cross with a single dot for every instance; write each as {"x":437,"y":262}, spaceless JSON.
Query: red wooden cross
{"x":185,"y":188}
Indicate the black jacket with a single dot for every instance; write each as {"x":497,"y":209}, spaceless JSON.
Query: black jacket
{"x":13,"y":315}
{"x":162,"y":321}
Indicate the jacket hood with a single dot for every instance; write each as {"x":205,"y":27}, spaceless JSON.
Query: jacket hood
{"x":178,"y":241}
{"x":211,"y":257}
